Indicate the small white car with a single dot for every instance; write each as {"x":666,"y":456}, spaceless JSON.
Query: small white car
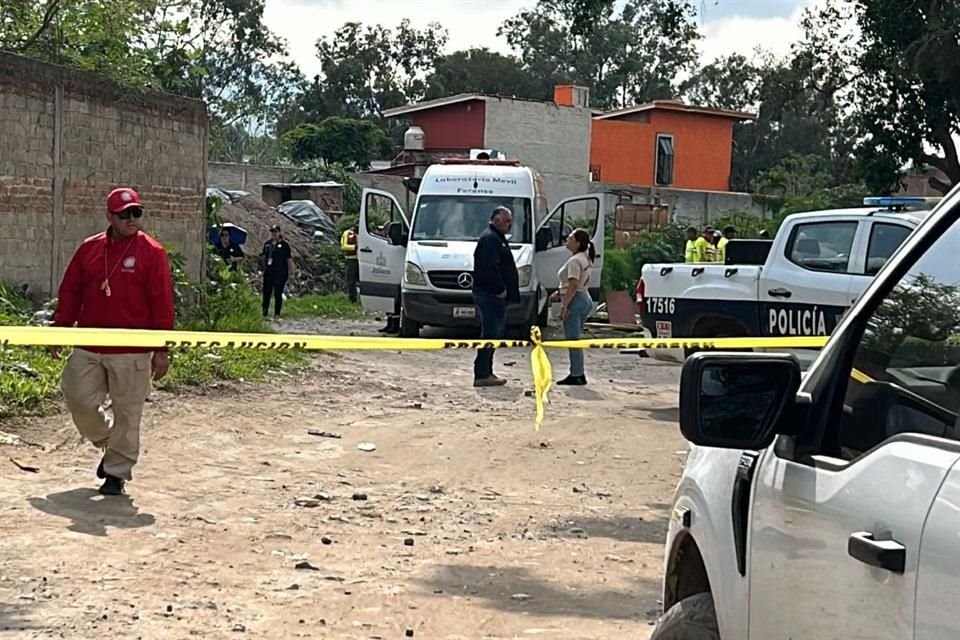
{"x":826,"y":504}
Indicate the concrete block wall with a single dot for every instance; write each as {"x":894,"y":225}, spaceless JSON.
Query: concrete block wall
{"x":554,"y":140}
{"x":690,"y":206}
{"x":246,"y":177}
{"x":68,"y":138}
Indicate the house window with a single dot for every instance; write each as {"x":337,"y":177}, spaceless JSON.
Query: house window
{"x":664,"y":167}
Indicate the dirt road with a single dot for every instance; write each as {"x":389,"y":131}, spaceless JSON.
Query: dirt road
{"x":463,"y":523}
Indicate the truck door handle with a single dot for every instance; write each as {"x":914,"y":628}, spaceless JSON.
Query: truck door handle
{"x":366,"y":250}
{"x":885,"y":554}
{"x":780,"y":293}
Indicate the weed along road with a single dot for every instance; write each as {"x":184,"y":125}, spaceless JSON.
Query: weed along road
{"x":371,"y":495}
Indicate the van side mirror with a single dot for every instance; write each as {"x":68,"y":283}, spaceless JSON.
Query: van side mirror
{"x":544,"y":239}
{"x":736,"y":401}
{"x":397,"y":234}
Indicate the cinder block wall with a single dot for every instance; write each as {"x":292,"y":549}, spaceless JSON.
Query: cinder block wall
{"x":66,"y":139}
{"x":553,"y":139}
{"x":246,"y":177}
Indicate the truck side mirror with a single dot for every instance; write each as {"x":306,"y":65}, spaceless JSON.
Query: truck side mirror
{"x":736,"y":401}
{"x":544,"y":238}
{"x":397,"y":234}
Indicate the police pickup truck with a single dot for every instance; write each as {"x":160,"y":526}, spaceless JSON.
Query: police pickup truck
{"x":817,"y":266}
{"x":824,"y":504}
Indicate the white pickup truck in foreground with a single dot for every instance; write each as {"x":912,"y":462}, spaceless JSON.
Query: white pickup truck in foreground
{"x":817,"y":266}
{"x":824,"y":504}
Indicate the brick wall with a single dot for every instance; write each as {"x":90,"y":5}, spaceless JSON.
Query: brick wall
{"x":68,"y":138}
{"x":246,"y":177}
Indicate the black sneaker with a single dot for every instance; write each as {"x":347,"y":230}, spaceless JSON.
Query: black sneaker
{"x":577,"y":381}
{"x":112,"y":486}
{"x":100,"y":472}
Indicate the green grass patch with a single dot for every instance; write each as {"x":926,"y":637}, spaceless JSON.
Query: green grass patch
{"x":331,"y":305}
{"x":30,"y":377}
{"x":29,"y":381}
{"x":193,"y":367}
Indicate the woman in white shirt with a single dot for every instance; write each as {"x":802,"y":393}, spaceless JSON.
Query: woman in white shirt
{"x":574,"y":278}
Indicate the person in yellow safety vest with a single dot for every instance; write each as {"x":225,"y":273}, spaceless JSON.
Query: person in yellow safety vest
{"x":729,"y":233}
{"x":348,"y":245}
{"x":703,"y":248}
{"x":689,"y":252}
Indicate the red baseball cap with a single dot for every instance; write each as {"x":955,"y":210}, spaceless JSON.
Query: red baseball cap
{"x":122,"y":199}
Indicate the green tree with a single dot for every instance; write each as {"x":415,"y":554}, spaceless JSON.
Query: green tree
{"x":485,"y":71}
{"x":352,"y":143}
{"x":800,"y":100}
{"x":369,"y":69}
{"x":318,"y":171}
{"x":907,"y":88}
{"x":730,"y":82}
{"x":625,"y":54}
{"x":215,"y":50}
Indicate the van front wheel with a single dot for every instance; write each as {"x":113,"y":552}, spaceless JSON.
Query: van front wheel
{"x":693,"y":618}
{"x":408,"y":328}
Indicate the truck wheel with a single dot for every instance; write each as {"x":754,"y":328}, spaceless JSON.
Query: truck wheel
{"x":693,"y":618}
{"x":408,"y":328}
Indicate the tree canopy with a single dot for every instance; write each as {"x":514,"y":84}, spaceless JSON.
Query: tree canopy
{"x":871,"y":87}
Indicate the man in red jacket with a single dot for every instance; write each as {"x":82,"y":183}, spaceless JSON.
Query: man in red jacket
{"x":118,"y":279}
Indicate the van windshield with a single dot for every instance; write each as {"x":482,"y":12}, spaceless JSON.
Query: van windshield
{"x":465,"y":217}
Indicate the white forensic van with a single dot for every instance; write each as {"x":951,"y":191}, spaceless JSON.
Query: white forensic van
{"x":420,"y":265}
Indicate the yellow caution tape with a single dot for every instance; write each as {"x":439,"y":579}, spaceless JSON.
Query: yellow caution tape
{"x":542,"y":374}
{"x":798,"y":342}
{"x":539,"y":362}
{"x":87,"y":337}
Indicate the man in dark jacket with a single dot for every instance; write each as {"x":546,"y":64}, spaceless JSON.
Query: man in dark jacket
{"x":495,"y":285}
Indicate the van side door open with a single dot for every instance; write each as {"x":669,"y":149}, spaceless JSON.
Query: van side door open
{"x":578,"y":212}
{"x":381,"y":259}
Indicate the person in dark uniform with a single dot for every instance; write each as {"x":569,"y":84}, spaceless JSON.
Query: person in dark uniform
{"x":496,"y":284}
{"x":277,"y":267}
{"x":231,"y":253}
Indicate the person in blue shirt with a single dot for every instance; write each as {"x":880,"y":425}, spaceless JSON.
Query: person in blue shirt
{"x":496,"y":284}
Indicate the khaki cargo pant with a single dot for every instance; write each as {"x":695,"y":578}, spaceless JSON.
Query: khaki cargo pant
{"x":87,"y":379}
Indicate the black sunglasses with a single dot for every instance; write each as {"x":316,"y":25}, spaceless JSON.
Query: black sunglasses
{"x":132,"y":212}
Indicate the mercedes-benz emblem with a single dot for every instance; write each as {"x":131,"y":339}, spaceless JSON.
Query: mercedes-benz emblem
{"x":465,"y":280}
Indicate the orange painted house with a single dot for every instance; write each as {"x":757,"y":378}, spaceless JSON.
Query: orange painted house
{"x":664,"y":144}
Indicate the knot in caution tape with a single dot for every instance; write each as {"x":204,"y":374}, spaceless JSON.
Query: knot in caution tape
{"x":542,"y":373}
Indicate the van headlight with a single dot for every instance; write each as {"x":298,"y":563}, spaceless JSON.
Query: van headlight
{"x":414,"y":275}
{"x":525,"y":274}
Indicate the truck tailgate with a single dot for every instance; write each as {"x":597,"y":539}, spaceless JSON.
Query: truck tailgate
{"x":676,"y":295}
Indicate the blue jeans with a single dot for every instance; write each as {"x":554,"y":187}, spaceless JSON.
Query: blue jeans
{"x":577,"y":312}
{"x":493,"y":326}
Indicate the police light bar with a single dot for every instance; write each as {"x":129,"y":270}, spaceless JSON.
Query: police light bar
{"x":900,"y":201}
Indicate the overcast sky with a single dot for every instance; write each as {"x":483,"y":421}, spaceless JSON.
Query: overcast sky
{"x":728,"y":26}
